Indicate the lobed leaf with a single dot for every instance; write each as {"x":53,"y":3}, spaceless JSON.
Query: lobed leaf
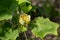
{"x":44,"y":26}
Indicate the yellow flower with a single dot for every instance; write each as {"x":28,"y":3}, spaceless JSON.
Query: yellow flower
{"x":24,"y":19}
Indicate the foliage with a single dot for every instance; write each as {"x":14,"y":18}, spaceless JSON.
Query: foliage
{"x":9,"y":32}
{"x":6,"y":8}
{"x":10,"y":18}
{"x":44,"y":26}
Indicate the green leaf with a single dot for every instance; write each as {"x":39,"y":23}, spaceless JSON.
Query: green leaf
{"x":11,"y":35}
{"x":26,"y":8}
{"x":8,"y":4}
{"x":25,"y":5}
{"x":8,"y":32}
{"x":6,"y":8}
{"x":21,"y":1}
{"x":5,"y":15}
{"x":44,"y":26}
{"x":24,"y":29}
